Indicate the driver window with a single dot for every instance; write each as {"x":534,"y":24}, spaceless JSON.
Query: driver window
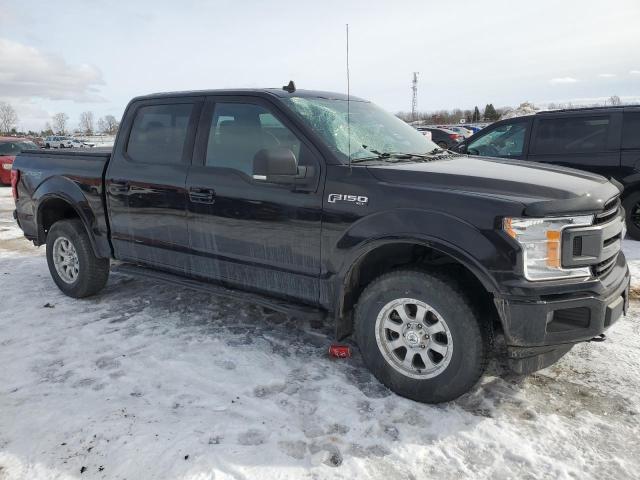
{"x":240,"y":130}
{"x":504,"y":141}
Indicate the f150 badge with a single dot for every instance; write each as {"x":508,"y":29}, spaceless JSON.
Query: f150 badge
{"x":341,"y":197}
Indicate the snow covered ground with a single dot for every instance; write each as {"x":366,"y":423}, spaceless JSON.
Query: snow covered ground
{"x":152,"y":381}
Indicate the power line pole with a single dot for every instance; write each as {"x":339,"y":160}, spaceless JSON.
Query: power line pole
{"x":414,"y":98}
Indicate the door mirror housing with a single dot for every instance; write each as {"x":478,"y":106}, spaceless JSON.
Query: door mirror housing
{"x":275,"y":165}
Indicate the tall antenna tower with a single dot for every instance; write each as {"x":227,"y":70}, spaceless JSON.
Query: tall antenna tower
{"x":414,"y":97}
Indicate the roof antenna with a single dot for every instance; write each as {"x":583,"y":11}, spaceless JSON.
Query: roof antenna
{"x":291,"y":87}
{"x":348,"y":103}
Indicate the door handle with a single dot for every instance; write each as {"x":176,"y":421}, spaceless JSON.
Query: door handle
{"x":117,"y":188}
{"x":202,"y":195}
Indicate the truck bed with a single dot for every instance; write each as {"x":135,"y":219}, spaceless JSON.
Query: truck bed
{"x":76,"y":174}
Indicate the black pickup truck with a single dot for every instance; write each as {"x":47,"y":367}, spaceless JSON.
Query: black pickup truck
{"x":320,"y":205}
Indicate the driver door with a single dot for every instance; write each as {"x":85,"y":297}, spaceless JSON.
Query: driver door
{"x":505,"y":140}
{"x":243,"y":231}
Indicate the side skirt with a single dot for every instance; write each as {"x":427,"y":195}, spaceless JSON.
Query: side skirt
{"x":289,"y":308}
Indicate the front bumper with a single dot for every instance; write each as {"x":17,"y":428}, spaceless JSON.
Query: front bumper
{"x":538,"y":332}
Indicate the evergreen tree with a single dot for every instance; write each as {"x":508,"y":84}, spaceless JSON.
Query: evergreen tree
{"x":490,"y":113}
{"x":476,"y":115}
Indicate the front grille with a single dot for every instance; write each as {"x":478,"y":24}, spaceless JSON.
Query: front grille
{"x":605,"y":267}
{"x":609,"y":211}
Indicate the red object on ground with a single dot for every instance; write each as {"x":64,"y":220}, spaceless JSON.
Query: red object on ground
{"x":340,"y":351}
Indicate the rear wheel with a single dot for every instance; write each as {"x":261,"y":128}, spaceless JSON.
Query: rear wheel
{"x":420,"y":336}
{"x":72,"y":263}
{"x":631,"y":206}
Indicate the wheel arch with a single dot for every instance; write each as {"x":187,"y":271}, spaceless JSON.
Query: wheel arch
{"x":423,"y":253}
{"x":60,"y":198}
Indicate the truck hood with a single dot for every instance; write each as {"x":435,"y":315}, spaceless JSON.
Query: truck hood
{"x":543,"y":189}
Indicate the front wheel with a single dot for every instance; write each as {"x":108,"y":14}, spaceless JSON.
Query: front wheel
{"x":420,"y":336}
{"x":72,"y":264}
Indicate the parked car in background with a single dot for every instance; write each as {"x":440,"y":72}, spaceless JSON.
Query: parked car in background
{"x":473,"y":128}
{"x":77,"y":143}
{"x":57,"y":141}
{"x":603,"y":140}
{"x":443,"y":137}
{"x":39,"y":141}
{"x":465,"y":132}
{"x":9,"y":148}
{"x":424,"y":132}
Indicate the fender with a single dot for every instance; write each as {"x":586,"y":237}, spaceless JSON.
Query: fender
{"x":65,"y":189}
{"x":477,"y":251}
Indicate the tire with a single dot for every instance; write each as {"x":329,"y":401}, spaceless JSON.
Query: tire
{"x":92,"y":272}
{"x":467,"y":340}
{"x":443,"y":145}
{"x":631,"y":206}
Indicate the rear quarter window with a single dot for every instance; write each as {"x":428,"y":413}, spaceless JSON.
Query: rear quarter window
{"x":571,"y":135}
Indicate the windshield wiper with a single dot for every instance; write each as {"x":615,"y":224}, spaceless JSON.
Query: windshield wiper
{"x":401,"y":156}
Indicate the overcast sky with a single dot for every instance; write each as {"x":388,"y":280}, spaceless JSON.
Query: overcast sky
{"x":73,"y":56}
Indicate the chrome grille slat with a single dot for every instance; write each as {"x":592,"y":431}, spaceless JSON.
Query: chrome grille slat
{"x":610,"y":212}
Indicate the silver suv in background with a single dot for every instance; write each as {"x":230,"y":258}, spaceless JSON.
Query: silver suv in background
{"x":58,"y":141}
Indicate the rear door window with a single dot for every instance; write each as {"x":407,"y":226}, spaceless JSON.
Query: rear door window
{"x":571,"y":135}
{"x":631,"y":130}
{"x":159,"y":133}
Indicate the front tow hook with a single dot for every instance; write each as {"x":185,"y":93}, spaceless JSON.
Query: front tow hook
{"x":598,"y":338}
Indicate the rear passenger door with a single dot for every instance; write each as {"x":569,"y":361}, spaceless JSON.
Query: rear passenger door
{"x":145,"y":182}
{"x":586,"y":141}
{"x":244,"y":231}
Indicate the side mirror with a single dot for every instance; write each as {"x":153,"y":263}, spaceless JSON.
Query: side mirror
{"x":460,"y":148}
{"x":275,"y":165}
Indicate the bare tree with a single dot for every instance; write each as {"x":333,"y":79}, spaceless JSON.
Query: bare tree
{"x":8,"y":117}
{"x":108,"y":124}
{"x":59,"y":123}
{"x":87,"y":124}
{"x":112,"y":124}
{"x":102,"y":125}
{"x":614,"y":100}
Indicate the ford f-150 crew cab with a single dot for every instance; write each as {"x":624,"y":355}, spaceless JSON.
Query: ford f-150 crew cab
{"x":311,"y":203}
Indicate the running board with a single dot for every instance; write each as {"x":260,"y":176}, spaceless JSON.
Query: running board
{"x":291,"y":309}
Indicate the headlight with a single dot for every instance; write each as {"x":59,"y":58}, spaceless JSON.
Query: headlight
{"x":7,"y":166}
{"x":541,"y":241}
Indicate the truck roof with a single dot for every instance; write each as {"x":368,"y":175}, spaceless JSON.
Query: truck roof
{"x":587,"y":109}
{"x":260,"y":92}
